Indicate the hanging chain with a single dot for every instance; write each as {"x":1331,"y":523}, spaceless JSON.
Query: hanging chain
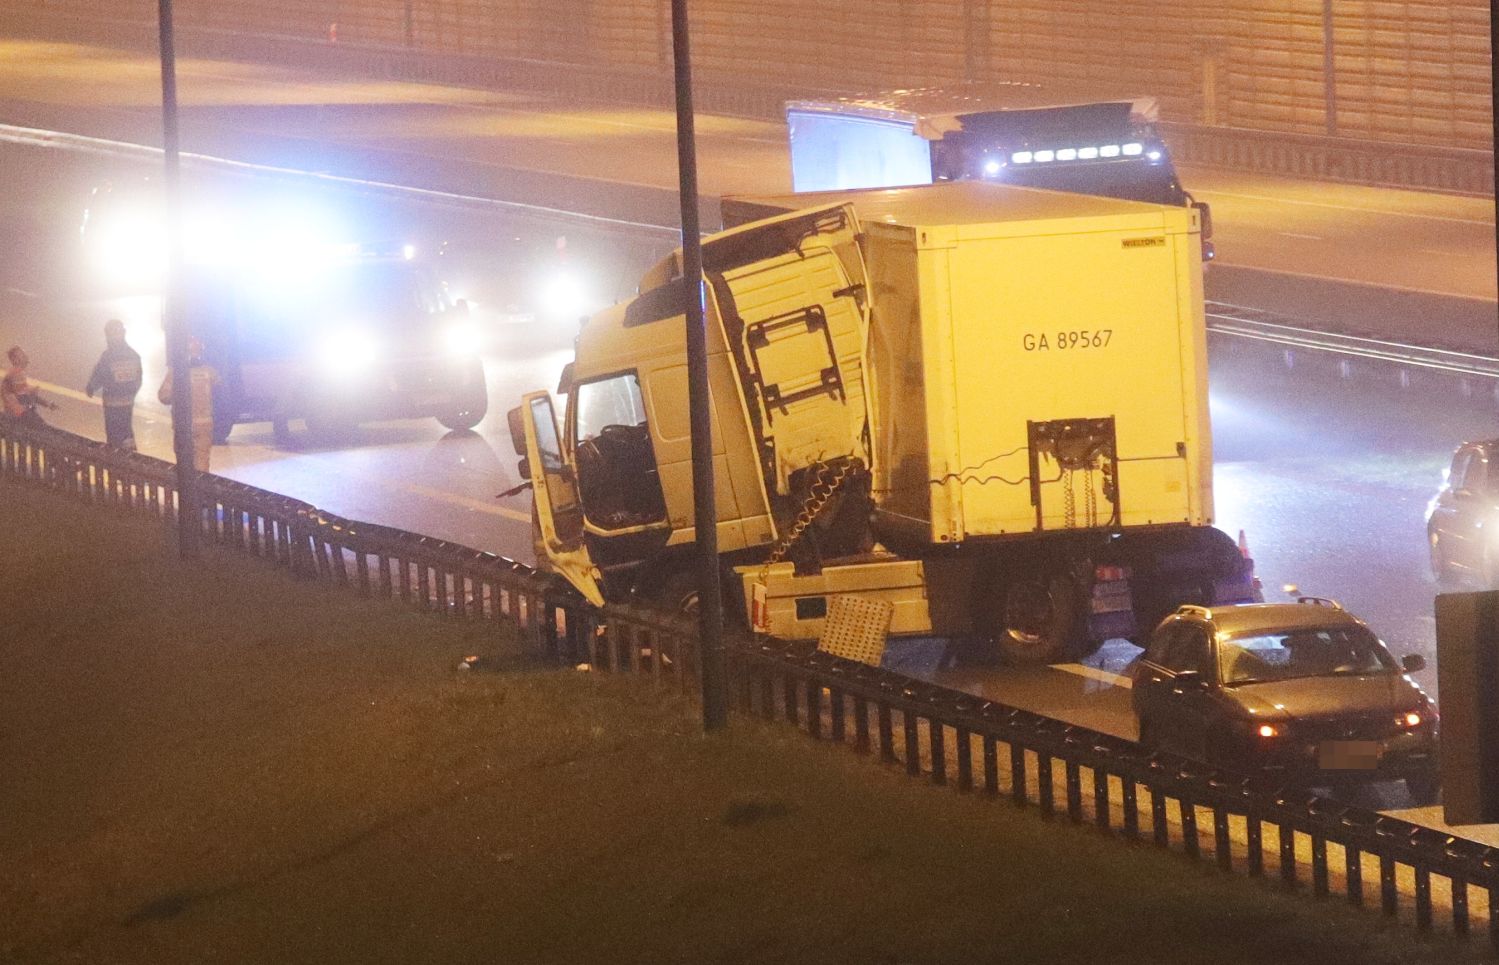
{"x":1069,"y":501}
{"x":1091,"y":499}
{"x":824,"y":485}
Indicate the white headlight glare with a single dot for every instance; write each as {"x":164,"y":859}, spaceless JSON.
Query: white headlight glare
{"x":1154,"y":155}
{"x":1067,"y":154}
{"x":1087,"y":153}
{"x":1021,"y":157}
{"x":1044,"y":156}
{"x":1109,"y":150}
{"x":562,"y":296}
{"x":461,"y":340}
{"x":991,"y":167}
{"x":348,"y":350}
{"x":1131,"y":150}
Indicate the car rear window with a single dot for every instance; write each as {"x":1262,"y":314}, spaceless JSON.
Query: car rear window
{"x":1302,"y":652}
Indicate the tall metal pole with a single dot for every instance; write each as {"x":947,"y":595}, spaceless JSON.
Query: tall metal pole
{"x":189,"y":519}
{"x":705,"y":512}
{"x":1329,"y":71}
{"x":1494,"y":110}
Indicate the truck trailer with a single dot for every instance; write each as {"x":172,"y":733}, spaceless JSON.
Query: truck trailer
{"x":986,"y":405}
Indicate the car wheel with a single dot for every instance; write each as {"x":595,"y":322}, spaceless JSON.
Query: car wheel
{"x":1441,"y":568}
{"x":1425,"y":790}
{"x":1038,"y":620}
{"x":462,"y":420}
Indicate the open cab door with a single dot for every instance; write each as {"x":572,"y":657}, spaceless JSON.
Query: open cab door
{"x":554,"y":484}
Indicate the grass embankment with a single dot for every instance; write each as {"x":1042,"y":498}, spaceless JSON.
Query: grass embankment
{"x":214,"y":762}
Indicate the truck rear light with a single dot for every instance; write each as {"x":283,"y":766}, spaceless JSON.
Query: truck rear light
{"x":1109,"y":574}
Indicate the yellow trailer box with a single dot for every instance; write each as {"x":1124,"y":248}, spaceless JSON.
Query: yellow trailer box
{"x":1037,"y":360}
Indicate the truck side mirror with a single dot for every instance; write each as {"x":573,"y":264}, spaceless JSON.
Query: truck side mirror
{"x":1186,"y":680}
{"x":1205,"y":218}
{"x":517,"y":423}
{"x":523,"y":467}
{"x":1413,"y":663}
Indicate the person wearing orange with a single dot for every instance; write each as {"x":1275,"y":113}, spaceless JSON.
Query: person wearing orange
{"x":204,"y":379}
{"x":19,"y":399}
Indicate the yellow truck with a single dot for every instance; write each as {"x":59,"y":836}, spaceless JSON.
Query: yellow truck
{"x":984,"y":404}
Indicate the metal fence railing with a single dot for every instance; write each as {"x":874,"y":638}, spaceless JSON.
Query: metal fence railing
{"x":936,"y":734}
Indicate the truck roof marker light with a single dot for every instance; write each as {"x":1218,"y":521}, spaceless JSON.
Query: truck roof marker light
{"x":991,"y":167}
{"x":1043,"y":156}
{"x":1109,"y":150}
{"x":1133,"y":150}
{"x":1021,"y":157}
{"x":1067,"y":154}
{"x":1087,"y":153}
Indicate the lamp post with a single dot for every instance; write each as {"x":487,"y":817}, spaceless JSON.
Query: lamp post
{"x":1329,"y":71}
{"x":714,"y":676}
{"x":189,"y":519}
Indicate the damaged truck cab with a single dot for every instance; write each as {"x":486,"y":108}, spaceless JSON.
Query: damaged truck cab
{"x":985,"y":405}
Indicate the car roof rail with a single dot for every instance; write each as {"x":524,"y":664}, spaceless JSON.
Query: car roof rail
{"x":1193,"y":610}
{"x":1320,"y":601}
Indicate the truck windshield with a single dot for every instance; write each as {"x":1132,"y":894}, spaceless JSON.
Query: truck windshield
{"x":618,"y":480}
{"x":1090,"y":149}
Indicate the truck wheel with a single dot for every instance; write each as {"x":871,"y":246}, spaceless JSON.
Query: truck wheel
{"x":1424,"y":789}
{"x":1038,"y":620}
{"x":677,"y":593}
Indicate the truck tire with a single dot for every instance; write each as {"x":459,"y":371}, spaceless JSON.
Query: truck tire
{"x":1039,"y":619}
{"x":1424,"y":789}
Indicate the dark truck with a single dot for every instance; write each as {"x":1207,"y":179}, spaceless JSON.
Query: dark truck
{"x":1028,"y":135}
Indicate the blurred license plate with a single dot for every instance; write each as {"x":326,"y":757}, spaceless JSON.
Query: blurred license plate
{"x":1348,"y":755}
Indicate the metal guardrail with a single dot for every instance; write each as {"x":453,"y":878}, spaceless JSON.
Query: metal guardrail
{"x":936,"y":734}
{"x":1430,"y":167}
{"x":1264,"y":326}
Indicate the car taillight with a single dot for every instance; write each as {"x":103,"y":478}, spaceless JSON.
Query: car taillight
{"x":1270,"y":731}
{"x":1410,"y":719}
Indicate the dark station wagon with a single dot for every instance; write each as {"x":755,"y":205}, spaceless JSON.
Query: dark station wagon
{"x":1301,"y":691}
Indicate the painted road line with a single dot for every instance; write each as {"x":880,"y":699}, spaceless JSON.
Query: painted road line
{"x":1094,"y":673}
{"x":468,"y":502}
{"x":64,"y":391}
{"x":1292,"y":234}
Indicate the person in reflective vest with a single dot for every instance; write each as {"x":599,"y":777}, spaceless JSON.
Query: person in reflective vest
{"x":205,"y":379}
{"x":117,"y":378}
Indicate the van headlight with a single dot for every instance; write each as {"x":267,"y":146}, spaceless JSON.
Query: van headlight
{"x":462,"y":340}
{"x":348,"y":350}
